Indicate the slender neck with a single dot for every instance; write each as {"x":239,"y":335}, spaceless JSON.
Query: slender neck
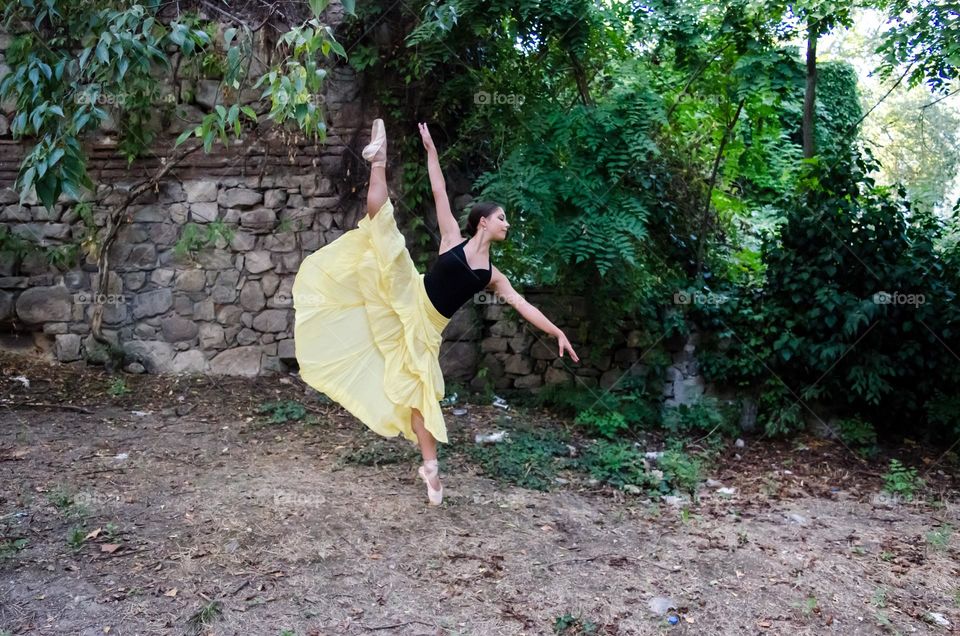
{"x":479,"y":244}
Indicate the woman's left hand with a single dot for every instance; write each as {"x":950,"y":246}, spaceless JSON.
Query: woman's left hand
{"x":564,"y":345}
{"x":427,"y":139}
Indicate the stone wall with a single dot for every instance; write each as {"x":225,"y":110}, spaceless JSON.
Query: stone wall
{"x":227,"y":308}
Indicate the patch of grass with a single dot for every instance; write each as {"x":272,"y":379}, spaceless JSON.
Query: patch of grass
{"x":617,"y":464}
{"x":609,"y":424}
{"x":282,"y":411}
{"x":886,"y":556}
{"x":956,"y":596}
{"x":879,"y":597}
{"x":682,"y":470}
{"x":205,"y":616}
{"x":63,"y":500}
{"x":902,"y":481}
{"x":525,"y":458}
{"x":939,"y":539}
{"x":287,"y":632}
{"x":8,"y":547}
{"x":118,"y":388}
{"x":77,"y":537}
{"x":569,"y":625}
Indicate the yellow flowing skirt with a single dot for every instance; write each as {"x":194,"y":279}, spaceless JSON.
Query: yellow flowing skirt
{"x":366,"y":334}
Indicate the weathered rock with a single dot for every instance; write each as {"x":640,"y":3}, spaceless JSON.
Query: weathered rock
{"x":271,"y":320}
{"x":211,"y":336}
{"x":242,"y":361}
{"x":161,"y":276}
{"x":463,"y":325}
{"x":557,"y":376}
{"x":286,"y":349}
{"x":67,"y":347}
{"x":282,"y":242}
{"x":269,"y":282}
{"x":38,"y":305}
{"x":532,"y":381}
{"x":458,"y":360}
{"x":274,"y":198}
{"x":229,"y":315}
{"x":252,"y":297}
{"x":247,"y":336}
{"x":204,"y":310}
{"x":518,"y":365}
{"x":204,"y":212}
{"x":493,"y":344}
{"x":190,"y":361}
{"x":239,"y":198}
{"x":191,"y":280}
{"x":260,"y":219}
{"x":200,"y":191}
{"x":155,"y":356}
{"x":152,"y":303}
{"x":258,"y":261}
{"x":243,"y":241}
{"x":177,"y":329}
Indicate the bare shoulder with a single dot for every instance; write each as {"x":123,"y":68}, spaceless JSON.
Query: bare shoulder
{"x":498,"y":282}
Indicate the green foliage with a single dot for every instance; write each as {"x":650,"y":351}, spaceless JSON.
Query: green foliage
{"x":616,"y":463}
{"x":703,"y":416}
{"x":939,"y":539}
{"x":683,"y":471}
{"x":10,"y":547}
{"x":282,"y":411}
{"x":569,"y":625}
{"x":607,"y":423}
{"x":859,"y":435}
{"x":118,"y":388}
{"x":924,"y":37}
{"x":525,"y":458}
{"x":902,"y":481}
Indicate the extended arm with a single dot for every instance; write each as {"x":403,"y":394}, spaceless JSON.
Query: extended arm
{"x":503,"y":288}
{"x":449,"y":228}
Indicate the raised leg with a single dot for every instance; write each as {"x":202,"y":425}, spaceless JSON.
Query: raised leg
{"x":377,"y":190}
{"x":376,"y":154}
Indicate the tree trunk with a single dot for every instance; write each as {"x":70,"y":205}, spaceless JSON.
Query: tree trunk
{"x":809,"y":99}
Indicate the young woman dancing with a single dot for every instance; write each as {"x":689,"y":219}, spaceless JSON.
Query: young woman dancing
{"x":368,"y":324}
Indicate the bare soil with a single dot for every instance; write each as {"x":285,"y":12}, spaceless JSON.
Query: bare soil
{"x":191,"y":514}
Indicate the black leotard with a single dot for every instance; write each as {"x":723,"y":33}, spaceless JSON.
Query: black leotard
{"x":451,"y":282}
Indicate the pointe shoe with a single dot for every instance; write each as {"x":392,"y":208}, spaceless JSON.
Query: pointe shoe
{"x":435,"y":496}
{"x":376,"y":150}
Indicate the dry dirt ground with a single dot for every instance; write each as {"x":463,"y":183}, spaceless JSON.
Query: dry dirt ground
{"x":176,"y":509}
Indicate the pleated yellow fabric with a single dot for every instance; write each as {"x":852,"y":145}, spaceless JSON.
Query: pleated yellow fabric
{"x":366,"y":334}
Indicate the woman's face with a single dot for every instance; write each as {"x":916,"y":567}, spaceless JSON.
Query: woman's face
{"x":496,"y":225}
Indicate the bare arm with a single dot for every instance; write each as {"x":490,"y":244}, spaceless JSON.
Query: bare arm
{"x":503,"y":288}
{"x":449,"y":228}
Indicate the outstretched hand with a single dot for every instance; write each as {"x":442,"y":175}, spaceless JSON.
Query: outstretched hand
{"x":564,"y":345}
{"x":427,"y":139}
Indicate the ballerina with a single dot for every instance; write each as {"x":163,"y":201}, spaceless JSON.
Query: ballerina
{"x":368,"y":324}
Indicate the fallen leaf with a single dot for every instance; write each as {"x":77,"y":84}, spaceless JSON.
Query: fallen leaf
{"x":93,"y":534}
{"x":109,"y":548}
{"x":171,"y":593}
